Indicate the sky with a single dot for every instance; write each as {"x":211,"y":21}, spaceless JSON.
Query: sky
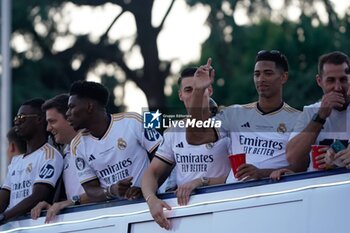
{"x":184,"y":31}
{"x":180,"y":40}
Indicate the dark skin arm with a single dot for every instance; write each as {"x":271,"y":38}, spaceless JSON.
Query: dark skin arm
{"x":122,"y":189}
{"x":4,"y":199}
{"x":40,"y":193}
{"x":94,"y":190}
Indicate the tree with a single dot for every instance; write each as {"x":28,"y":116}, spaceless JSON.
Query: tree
{"x":41,"y":70}
{"x":233,"y":47}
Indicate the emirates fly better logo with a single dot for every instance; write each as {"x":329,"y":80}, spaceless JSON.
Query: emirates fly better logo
{"x":157,"y":120}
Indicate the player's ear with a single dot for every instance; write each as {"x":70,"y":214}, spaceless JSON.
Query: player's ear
{"x":179,"y":92}
{"x":91,"y":106}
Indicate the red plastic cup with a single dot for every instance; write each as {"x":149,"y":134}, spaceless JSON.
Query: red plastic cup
{"x":315,"y":152}
{"x":236,"y":160}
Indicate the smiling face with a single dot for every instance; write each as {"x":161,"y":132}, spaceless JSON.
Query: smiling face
{"x":59,"y":127}
{"x":268,"y":79}
{"x":334,"y":78}
{"x":27,"y":122}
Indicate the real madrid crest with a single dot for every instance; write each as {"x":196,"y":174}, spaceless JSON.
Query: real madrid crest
{"x":121,"y":144}
{"x":209,"y":145}
{"x":29,"y":168}
{"x":282,"y":128}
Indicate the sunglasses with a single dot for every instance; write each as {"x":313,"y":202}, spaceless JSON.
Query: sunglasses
{"x":270,"y":52}
{"x":24,"y":116}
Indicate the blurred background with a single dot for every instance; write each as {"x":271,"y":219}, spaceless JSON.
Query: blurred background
{"x":137,"y":47}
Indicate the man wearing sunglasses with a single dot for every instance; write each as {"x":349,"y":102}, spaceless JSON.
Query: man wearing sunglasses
{"x":63,"y":134}
{"x":260,"y":129}
{"x":327,"y":120}
{"x":31,"y":176}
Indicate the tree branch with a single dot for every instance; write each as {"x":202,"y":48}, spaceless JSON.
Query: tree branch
{"x":104,"y":36}
{"x":160,"y":27}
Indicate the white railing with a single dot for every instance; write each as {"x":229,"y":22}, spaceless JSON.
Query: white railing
{"x":311,"y":202}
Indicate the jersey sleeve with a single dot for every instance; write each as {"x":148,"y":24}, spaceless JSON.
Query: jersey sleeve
{"x":225,"y":117}
{"x":149,"y":138}
{"x":303,"y":120}
{"x":84,"y":172}
{"x":7,"y":182}
{"x":50,"y":168}
{"x":165,"y":151}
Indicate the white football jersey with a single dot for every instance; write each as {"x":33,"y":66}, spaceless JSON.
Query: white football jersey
{"x":337,"y":125}
{"x":42,"y":166}
{"x":262,"y":136}
{"x":193,"y":161}
{"x":120,"y":153}
{"x":70,"y":176}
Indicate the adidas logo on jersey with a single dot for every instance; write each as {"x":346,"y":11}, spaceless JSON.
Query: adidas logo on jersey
{"x":91,"y":158}
{"x":180,"y":145}
{"x":246,"y":125}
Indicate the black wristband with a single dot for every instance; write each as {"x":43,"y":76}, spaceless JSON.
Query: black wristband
{"x":318,"y":119}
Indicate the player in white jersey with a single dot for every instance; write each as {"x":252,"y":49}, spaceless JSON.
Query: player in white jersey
{"x":195,"y":165}
{"x":16,"y":144}
{"x":263,"y":136}
{"x":263,"y":132}
{"x":63,"y":134}
{"x":31,"y":176}
{"x":327,"y":120}
{"x":111,"y":152}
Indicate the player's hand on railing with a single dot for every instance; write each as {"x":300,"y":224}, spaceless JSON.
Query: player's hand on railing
{"x":121,"y":187}
{"x":184,"y":191}
{"x":35,"y":212}
{"x":276,"y":174}
{"x":156,"y":207}
{"x":133,"y":193}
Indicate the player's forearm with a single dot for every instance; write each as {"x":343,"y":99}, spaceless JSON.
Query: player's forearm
{"x":84,"y":198}
{"x":149,"y":184}
{"x":194,"y":135}
{"x":4,"y":199}
{"x":297,"y":150}
{"x":24,"y":206}
{"x":217,"y":180}
{"x":97,"y":194}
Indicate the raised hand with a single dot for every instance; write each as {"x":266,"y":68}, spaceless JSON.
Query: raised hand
{"x":204,"y":76}
{"x":329,"y":101}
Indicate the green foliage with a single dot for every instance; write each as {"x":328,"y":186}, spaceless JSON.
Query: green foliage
{"x":234,"y":53}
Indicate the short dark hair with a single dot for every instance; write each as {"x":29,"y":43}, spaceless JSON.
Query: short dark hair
{"x":59,"y":102}
{"x":36,"y":104}
{"x":12,"y":136}
{"x":336,"y":58}
{"x":185,"y":73}
{"x":92,"y":90}
{"x":276,"y":56}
